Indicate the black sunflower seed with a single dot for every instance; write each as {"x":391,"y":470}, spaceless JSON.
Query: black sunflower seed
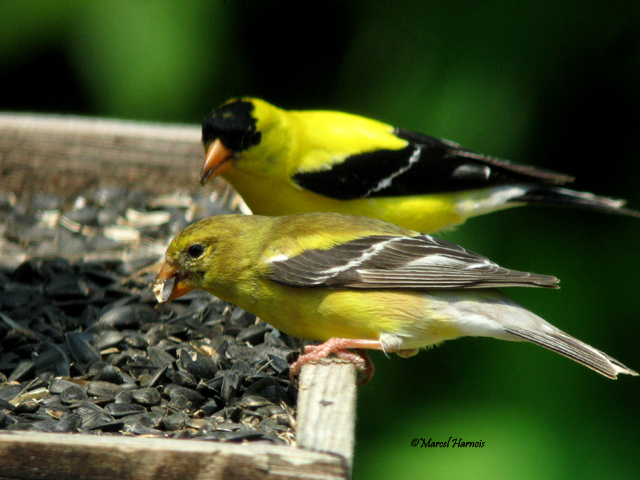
{"x":25,"y":369}
{"x":109,"y":373}
{"x":68,"y":423}
{"x":73,"y":394}
{"x":118,"y":410}
{"x":81,"y":349}
{"x":146,"y":396}
{"x":103,"y":389}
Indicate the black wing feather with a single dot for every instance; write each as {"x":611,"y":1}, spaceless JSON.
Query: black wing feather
{"x":389,"y":262}
{"x":426,"y":165}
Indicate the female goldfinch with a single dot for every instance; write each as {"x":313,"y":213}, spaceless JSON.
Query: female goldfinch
{"x":357,"y":282}
{"x":283,"y":162}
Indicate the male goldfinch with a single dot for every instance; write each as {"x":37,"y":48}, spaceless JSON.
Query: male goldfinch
{"x":283,"y":162}
{"x":357,"y":282}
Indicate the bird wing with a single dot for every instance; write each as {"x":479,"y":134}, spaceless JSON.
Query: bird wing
{"x":426,"y":165}
{"x":392,"y":262}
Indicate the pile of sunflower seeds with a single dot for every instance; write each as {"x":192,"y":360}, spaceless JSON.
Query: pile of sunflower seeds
{"x":101,"y":223}
{"x":84,"y":347}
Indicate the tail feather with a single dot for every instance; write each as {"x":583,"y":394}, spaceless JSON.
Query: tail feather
{"x":574,"y":349}
{"x":564,"y":197}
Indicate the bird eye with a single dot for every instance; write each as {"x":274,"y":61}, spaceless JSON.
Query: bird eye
{"x":195,"y":251}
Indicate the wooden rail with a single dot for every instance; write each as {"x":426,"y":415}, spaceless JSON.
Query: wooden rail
{"x":64,"y":155}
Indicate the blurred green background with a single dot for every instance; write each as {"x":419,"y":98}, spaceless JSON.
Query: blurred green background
{"x":553,"y":84}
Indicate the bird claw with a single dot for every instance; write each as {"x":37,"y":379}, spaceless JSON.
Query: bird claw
{"x":340,"y":347}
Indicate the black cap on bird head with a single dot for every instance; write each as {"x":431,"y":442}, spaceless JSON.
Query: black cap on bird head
{"x":228,"y":131}
{"x":233,"y":124}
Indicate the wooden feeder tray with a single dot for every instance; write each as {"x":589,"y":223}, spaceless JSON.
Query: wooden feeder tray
{"x":65,"y":155}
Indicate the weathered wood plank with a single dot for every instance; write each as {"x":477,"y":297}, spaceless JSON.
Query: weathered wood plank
{"x":44,"y":456}
{"x":65,"y":155}
{"x":327,"y":407}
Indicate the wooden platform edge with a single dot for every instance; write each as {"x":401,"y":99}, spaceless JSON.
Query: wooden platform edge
{"x":49,"y":456}
{"x":66,"y":154}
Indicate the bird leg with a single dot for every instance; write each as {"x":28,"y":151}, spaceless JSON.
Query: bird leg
{"x":339,"y":347}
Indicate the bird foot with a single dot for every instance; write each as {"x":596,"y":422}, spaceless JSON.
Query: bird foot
{"x":340,"y":347}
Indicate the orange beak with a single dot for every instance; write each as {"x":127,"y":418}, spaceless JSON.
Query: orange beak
{"x":218,"y":160}
{"x":168,"y":284}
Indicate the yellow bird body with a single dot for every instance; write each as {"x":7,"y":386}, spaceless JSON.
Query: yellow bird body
{"x":283,"y":162}
{"x":418,"y":318}
{"x":318,"y":314}
{"x":321,"y":276}
{"x":428,"y":214}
